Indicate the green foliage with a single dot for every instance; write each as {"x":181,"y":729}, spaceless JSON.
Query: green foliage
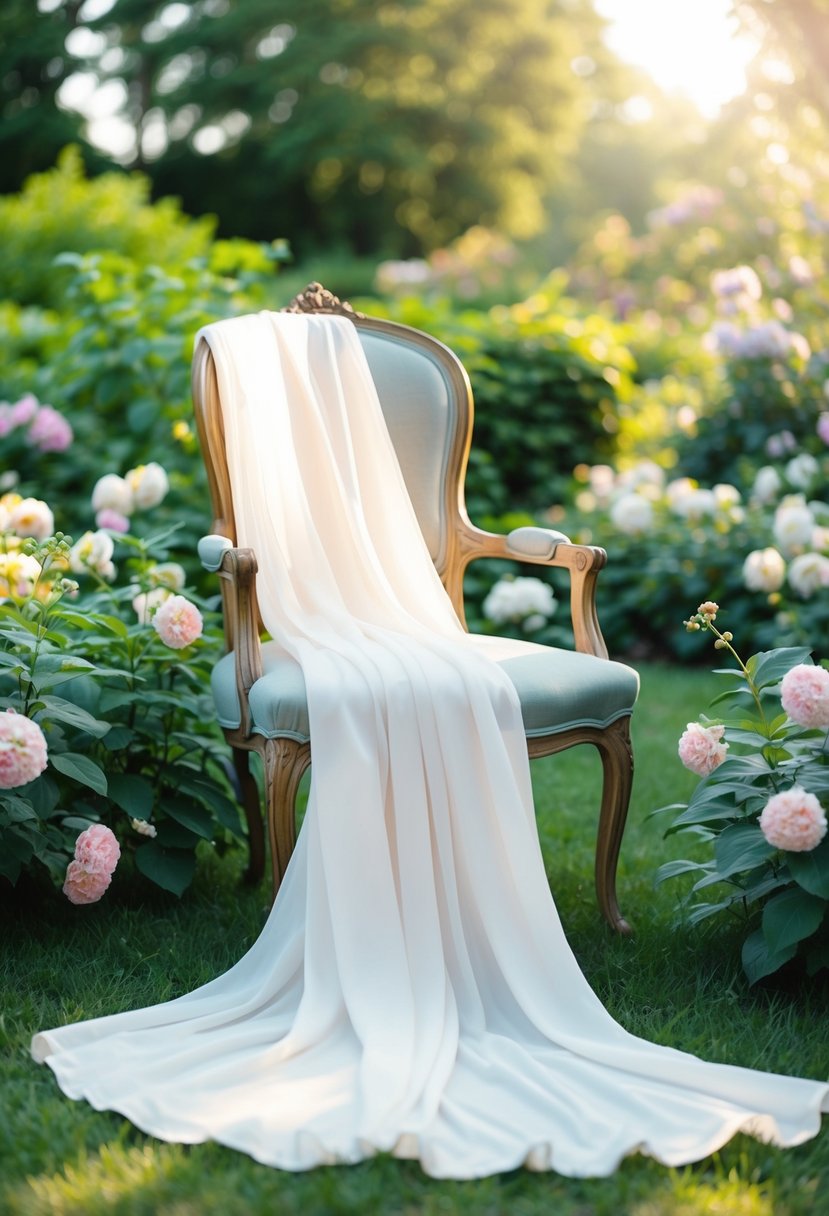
{"x":61,"y":210}
{"x":546,"y":386}
{"x":123,"y":716}
{"x":781,"y":896}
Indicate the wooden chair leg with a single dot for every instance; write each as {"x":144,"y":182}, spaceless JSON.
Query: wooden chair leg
{"x":252,"y":806}
{"x":285,"y":762}
{"x":617,"y":761}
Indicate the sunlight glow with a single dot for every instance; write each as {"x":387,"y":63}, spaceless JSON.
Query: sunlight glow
{"x":691,"y":49}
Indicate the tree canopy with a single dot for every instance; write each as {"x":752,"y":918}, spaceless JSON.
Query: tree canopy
{"x":384,"y":125}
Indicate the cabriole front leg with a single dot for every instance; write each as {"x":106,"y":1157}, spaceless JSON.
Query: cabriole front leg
{"x":285,"y":762}
{"x":615,"y":749}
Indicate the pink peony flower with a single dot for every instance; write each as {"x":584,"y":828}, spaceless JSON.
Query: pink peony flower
{"x":701,"y":749}
{"x":804,"y":695}
{"x":113,"y":521}
{"x":83,"y":886}
{"x":178,"y":622}
{"x":22,"y":750}
{"x":97,"y":850}
{"x":50,"y":432}
{"x":794,"y":821}
{"x":24,"y":410}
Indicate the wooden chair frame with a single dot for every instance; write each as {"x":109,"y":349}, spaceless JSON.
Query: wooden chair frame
{"x":284,"y":759}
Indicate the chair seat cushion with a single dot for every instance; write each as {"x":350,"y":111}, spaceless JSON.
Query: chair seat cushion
{"x":558,"y":689}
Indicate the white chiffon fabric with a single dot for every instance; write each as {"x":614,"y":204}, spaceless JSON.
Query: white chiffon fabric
{"x":412,"y":991}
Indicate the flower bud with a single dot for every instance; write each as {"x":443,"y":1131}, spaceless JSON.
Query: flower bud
{"x":709,"y":609}
{"x":729,"y":637}
{"x":720,"y":644}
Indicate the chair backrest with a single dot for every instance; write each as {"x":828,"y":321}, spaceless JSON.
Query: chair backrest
{"x":427,"y":402}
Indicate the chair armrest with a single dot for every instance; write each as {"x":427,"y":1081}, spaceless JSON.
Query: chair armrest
{"x":546,"y":547}
{"x":237,"y":570}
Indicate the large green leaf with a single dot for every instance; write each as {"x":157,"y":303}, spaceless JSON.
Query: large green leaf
{"x":133,"y":794}
{"x":80,"y":768}
{"x":759,"y":961}
{"x":742,"y":846}
{"x":811,"y":870}
{"x":671,"y":869}
{"x":57,"y":709}
{"x":189,"y":815}
{"x":791,"y":916}
{"x":769,"y":666}
{"x":171,"y":869}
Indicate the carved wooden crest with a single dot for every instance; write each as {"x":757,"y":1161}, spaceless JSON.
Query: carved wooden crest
{"x":316,"y":298}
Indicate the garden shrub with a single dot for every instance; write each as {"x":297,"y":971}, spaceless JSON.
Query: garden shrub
{"x":546,"y":387}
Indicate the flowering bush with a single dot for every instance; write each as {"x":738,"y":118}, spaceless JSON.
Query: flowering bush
{"x":527,"y":602}
{"x":102,"y":727}
{"x":761,"y":804}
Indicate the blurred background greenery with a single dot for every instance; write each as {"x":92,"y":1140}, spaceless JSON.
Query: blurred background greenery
{"x":500,"y":174}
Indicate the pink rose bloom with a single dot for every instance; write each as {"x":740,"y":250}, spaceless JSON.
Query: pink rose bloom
{"x":794,"y":821}
{"x":804,"y":695}
{"x":22,"y":750}
{"x":84,"y":886}
{"x":97,"y":850}
{"x":178,"y":622}
{"x":113,"y":521}
{"x":50,"y":431}
{"x":701,"y":748}
{"x":24,"y":410}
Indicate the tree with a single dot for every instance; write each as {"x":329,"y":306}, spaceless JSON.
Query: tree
{"x":384,"y":125}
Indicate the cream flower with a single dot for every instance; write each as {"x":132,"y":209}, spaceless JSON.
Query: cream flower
{"x":32,"y":517}
{"x":18,"y":575}
{"x":764,"y":570}
{"x":149,"y":484}
{"x":168,"y":574}
{"x":112,"y":493}
{"x":793,"y":523}
{"x":808,"y":573}
{"x":767,"y":485}
{"x":148,"y":602}
{"x":632,"y":513}
{"x":94,"y":552}
{"x":519,"y":599}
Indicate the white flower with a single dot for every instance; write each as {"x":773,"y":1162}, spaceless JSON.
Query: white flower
{"x":93,"y":551}
{"x":767,"y":485}
{"x":725,"y":496}
{"x":519,"y":599}
{"x":632,"y":513}
{"x":644,"y":473}
{"x":678,"y":490}
{"x":793,"y":523}
{"x":696,"y":504}
{"x":603,"y":480}
{"x":802,"y":470}
{"x":148,"y":483}
{"x":143,"y":828}
{"x":808,"y":573}
{"x":739,"y":281}
{"x":820,"y":539}
{"x":764,"y":570}
{"x":146,"y":603}
{"x":32,"y":517}
{"x":112,"y":493}
{"x":168,"y":574}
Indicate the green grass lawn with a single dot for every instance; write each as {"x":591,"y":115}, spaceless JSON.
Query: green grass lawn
{"x":137,"y":947}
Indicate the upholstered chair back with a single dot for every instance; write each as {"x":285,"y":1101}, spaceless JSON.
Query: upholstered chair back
{"x":424,"y":392}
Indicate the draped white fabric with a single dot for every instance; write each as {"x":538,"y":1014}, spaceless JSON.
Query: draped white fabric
{"x":412,"y":990}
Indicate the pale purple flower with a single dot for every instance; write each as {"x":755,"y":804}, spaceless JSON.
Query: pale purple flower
{"x":24,"y":410}
{"x":823,"y":427}
{"x":50,"y":432}
{"x":113,"y":521}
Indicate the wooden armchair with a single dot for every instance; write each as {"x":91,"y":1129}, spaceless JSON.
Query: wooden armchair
{"x":567,"y":697}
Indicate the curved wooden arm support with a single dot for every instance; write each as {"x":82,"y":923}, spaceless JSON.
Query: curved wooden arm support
{"x":241,"y":614}
{"x":583,"y":562}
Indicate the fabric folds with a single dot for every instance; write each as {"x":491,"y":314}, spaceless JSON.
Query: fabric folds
{"x":412,"y":991}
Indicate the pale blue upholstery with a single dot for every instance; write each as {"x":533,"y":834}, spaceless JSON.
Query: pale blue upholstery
{"x":559,"y":690}
{"x":421,"y":415}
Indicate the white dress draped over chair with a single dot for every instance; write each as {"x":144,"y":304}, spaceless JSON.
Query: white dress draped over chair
{"x":412,"y":990}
